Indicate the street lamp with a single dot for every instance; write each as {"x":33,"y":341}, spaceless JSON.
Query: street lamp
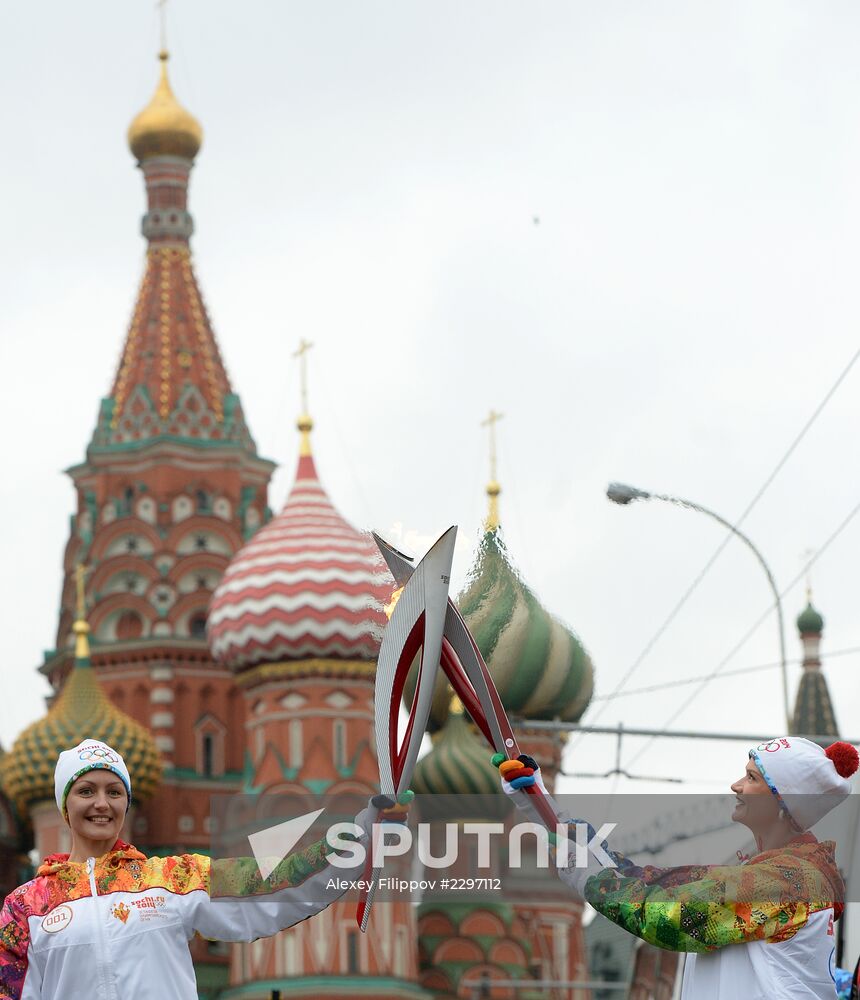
{"x":623,"y":494}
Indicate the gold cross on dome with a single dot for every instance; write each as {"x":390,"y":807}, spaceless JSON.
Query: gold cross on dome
{"x":80,"y":585}
{"x":305,"y":424}
{"x":161,"y":5}
{"x":491,"y":422}
{"x":301,"y":354}
{"x":806,"y":558}
{"x":493,"y":488}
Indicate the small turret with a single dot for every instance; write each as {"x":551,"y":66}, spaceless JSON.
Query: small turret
{"x":813,"y":709}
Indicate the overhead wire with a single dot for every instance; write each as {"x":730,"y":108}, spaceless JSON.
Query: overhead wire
{"x":718,"y":551}
{"x":704,"y":782}
{"x":685,"y":681}
{"x":751,"y":630}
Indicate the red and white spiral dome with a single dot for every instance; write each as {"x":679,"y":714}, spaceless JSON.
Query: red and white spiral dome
{"x":307,"y":585}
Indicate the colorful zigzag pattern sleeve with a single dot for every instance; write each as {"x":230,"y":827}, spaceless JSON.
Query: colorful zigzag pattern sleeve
{"x":14,"y":943}
{"x":702,"y":908}
{"x":241,"y":877}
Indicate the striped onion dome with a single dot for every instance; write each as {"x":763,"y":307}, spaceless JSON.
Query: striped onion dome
{"x":81,"y":711}
{"x":459,"y":762}
{"x":307,"y":585}
{"x":540,"y":667}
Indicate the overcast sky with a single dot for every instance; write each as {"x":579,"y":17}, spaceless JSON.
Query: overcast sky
{"x":633,"y":228}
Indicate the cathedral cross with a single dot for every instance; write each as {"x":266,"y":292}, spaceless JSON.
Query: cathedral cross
{"x":80,"y":583}
{"x":305,"y":424}
{"x":807,"y":557}
{"x":493,"y":488}
{"x":162,"y":22}
{"x":491,"y":422}
{"x":301,"y":354}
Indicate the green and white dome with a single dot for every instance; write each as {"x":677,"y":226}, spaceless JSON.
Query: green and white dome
{"x":540,"y":667}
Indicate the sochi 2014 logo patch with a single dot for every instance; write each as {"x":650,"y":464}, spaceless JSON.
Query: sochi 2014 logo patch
{"x":150,"y":908}
{"x":98,"y":752}
{"x":57,"y":920}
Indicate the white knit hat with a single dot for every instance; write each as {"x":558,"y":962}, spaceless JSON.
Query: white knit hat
{"x":88,"y":755}
{"x":807,"y":780}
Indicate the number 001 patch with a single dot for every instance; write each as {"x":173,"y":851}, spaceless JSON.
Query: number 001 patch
{"x":57,"y":920}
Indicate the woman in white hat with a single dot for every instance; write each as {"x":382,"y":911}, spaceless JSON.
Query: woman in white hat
{"x":107,"y":922}
{"x":761,"y":929}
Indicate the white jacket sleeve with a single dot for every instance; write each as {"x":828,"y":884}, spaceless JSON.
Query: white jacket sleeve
{"x":239,"y":905}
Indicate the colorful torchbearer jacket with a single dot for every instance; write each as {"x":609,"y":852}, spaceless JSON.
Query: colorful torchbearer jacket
{"x":780,"y":905}
{"x":118,"y":926}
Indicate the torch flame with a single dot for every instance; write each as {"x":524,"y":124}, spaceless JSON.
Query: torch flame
{"x":392,"y":603}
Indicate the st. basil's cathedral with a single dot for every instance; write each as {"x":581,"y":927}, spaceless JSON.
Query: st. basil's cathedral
{"x":221,"y":649}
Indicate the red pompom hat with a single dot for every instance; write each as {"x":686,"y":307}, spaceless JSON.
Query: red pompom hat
{"x":845,"y":758}
{"x":807,"y":779}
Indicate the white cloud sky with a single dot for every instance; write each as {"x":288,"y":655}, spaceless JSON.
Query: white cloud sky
{"x":370,"y":178}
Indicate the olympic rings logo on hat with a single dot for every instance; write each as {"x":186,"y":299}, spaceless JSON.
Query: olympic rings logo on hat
{"x":98,"y":753}
{"x":773,"y":746}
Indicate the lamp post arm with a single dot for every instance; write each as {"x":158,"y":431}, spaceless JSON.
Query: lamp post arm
{"x":678,"y":501}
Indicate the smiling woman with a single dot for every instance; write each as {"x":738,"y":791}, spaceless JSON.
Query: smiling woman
{"x":763,"y":928}
{"x":104,"y":920}
{"x":759,"y":810}
{"x":95,"y":810}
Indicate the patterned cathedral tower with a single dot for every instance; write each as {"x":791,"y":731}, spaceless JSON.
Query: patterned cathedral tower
{"x":170,"y":487}
{"x":298,"y":617}
{"x":813,"y":709}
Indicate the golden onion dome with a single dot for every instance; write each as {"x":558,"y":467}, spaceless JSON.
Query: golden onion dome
{"x":81,"y":711}
{"x":164,"y":127}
